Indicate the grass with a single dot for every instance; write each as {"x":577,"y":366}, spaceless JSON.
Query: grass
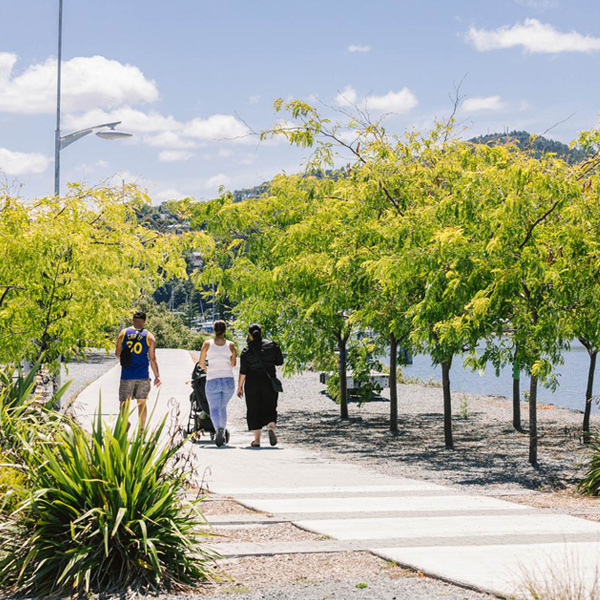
{"x":562,"y":580}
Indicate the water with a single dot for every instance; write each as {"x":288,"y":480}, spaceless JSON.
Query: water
{"x":572,"y":378}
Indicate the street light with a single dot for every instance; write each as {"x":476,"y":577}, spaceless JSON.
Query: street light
{"x":107,"y":130}
{"x":60,"y":142}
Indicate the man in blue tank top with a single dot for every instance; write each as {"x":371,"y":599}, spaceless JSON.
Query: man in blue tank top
{"x":136,"y":349}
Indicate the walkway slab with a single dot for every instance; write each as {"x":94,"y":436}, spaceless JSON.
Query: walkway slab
{"x":375,"y":504}
{"x":505,"y":569}
{"x":475,"y":541}
{"x":440,"y":527}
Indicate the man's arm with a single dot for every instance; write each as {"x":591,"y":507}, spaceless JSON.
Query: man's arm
{"x":119,"y":346}
{"x":152,"y":357}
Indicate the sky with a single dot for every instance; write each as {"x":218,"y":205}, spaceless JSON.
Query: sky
{"x":195,"y":81}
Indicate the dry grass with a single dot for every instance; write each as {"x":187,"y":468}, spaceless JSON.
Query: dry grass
{"x":563,"y":581}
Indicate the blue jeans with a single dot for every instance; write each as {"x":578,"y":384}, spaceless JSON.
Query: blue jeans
{"x":218,"y":393}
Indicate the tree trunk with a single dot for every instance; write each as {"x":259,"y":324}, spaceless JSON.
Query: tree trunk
{"x":533,"y":435}
{"x":517,"y":398}
{"x":343,"y":374}
{"x":447,"y":404}
{"x":393,"y":383}
{"x":588,"y":397}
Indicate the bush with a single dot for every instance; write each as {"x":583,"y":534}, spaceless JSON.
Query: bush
{"x":22,"y":414}
{"x":590,"y":484}
{"x":25,"y":423}
{"x":12,"y":485}
{"x":107,"y":514}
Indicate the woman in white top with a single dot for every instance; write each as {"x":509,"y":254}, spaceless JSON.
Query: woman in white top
{"x":217,"y":358}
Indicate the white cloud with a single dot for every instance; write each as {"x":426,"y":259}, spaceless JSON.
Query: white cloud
{"x":349,"y":136}
{"x":166,"y":195}
{"x":134,"y":120}
{"x":540,"y":4}
{"x":358,"y":48}
{"x":216,"y":181}
{"x":166,"y":131}
{"x":91,"y":168}
{"x":225,"y":153}
{"x":174,"y":156}
{"x":480,"y":103}
{"x":21,"y":163}
{"x":87,"y":82}
{"x":129,"y":177}
{"x":347,"y":97}
{"x":397,"y":102}
{"x":533,"y":36}
{"x":216,"y":127}
{"x":254,"y":99}
{"x":169,"y":139}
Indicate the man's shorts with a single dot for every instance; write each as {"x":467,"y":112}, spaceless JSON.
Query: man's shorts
{"x":136,"y":389}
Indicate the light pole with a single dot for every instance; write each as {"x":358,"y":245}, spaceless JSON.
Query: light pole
{"x":107,"y":130}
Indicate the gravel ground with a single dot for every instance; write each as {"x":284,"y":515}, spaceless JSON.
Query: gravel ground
{"x":82,"y":373}
{"x":323,"y":576}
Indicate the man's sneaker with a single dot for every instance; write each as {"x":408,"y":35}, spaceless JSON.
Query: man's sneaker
{"x":227,"y":436}
{"x":220,"y":439}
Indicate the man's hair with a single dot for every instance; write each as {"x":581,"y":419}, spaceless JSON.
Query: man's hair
{"x":139,"y":314}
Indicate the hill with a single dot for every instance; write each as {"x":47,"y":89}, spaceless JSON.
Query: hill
{"x":539,"y":145}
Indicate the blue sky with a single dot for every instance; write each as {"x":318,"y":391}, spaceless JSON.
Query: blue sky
{"x":190,"y":79}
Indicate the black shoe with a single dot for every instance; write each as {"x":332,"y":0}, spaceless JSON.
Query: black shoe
{"x":220,"y":439}
{"x":227,"y":436}
{"x":272,"y":438}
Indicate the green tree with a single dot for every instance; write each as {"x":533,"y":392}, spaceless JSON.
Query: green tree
{"x":168,"y":328}
{"x":525,"y":294}
{"x":70,"y":268}
{"x":580,"y":271}
{"x":284,"y":259}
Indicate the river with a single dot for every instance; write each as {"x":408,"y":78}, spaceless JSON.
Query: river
{"x":572,"y":378}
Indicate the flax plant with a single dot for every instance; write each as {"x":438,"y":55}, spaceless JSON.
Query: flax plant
{"x":107,"y":514}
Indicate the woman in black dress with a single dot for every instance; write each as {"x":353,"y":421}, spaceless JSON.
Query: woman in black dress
{"x":257,"y":367}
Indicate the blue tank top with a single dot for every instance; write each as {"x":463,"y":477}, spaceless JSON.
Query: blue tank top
{"x":137,"y":341}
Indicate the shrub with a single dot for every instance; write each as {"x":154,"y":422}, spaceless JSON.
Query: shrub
{"x":107,"y":514}
{"x":22,"y":415}
{"x":12,"y":485}
{"x":590,"y":483}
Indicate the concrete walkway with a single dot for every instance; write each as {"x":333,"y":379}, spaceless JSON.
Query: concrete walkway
{"x":480,"y":542}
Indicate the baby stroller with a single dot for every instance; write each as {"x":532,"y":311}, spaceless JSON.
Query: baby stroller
{"x":199,"y":421}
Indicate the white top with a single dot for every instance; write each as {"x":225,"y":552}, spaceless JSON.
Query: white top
{"x":219,"y":361}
